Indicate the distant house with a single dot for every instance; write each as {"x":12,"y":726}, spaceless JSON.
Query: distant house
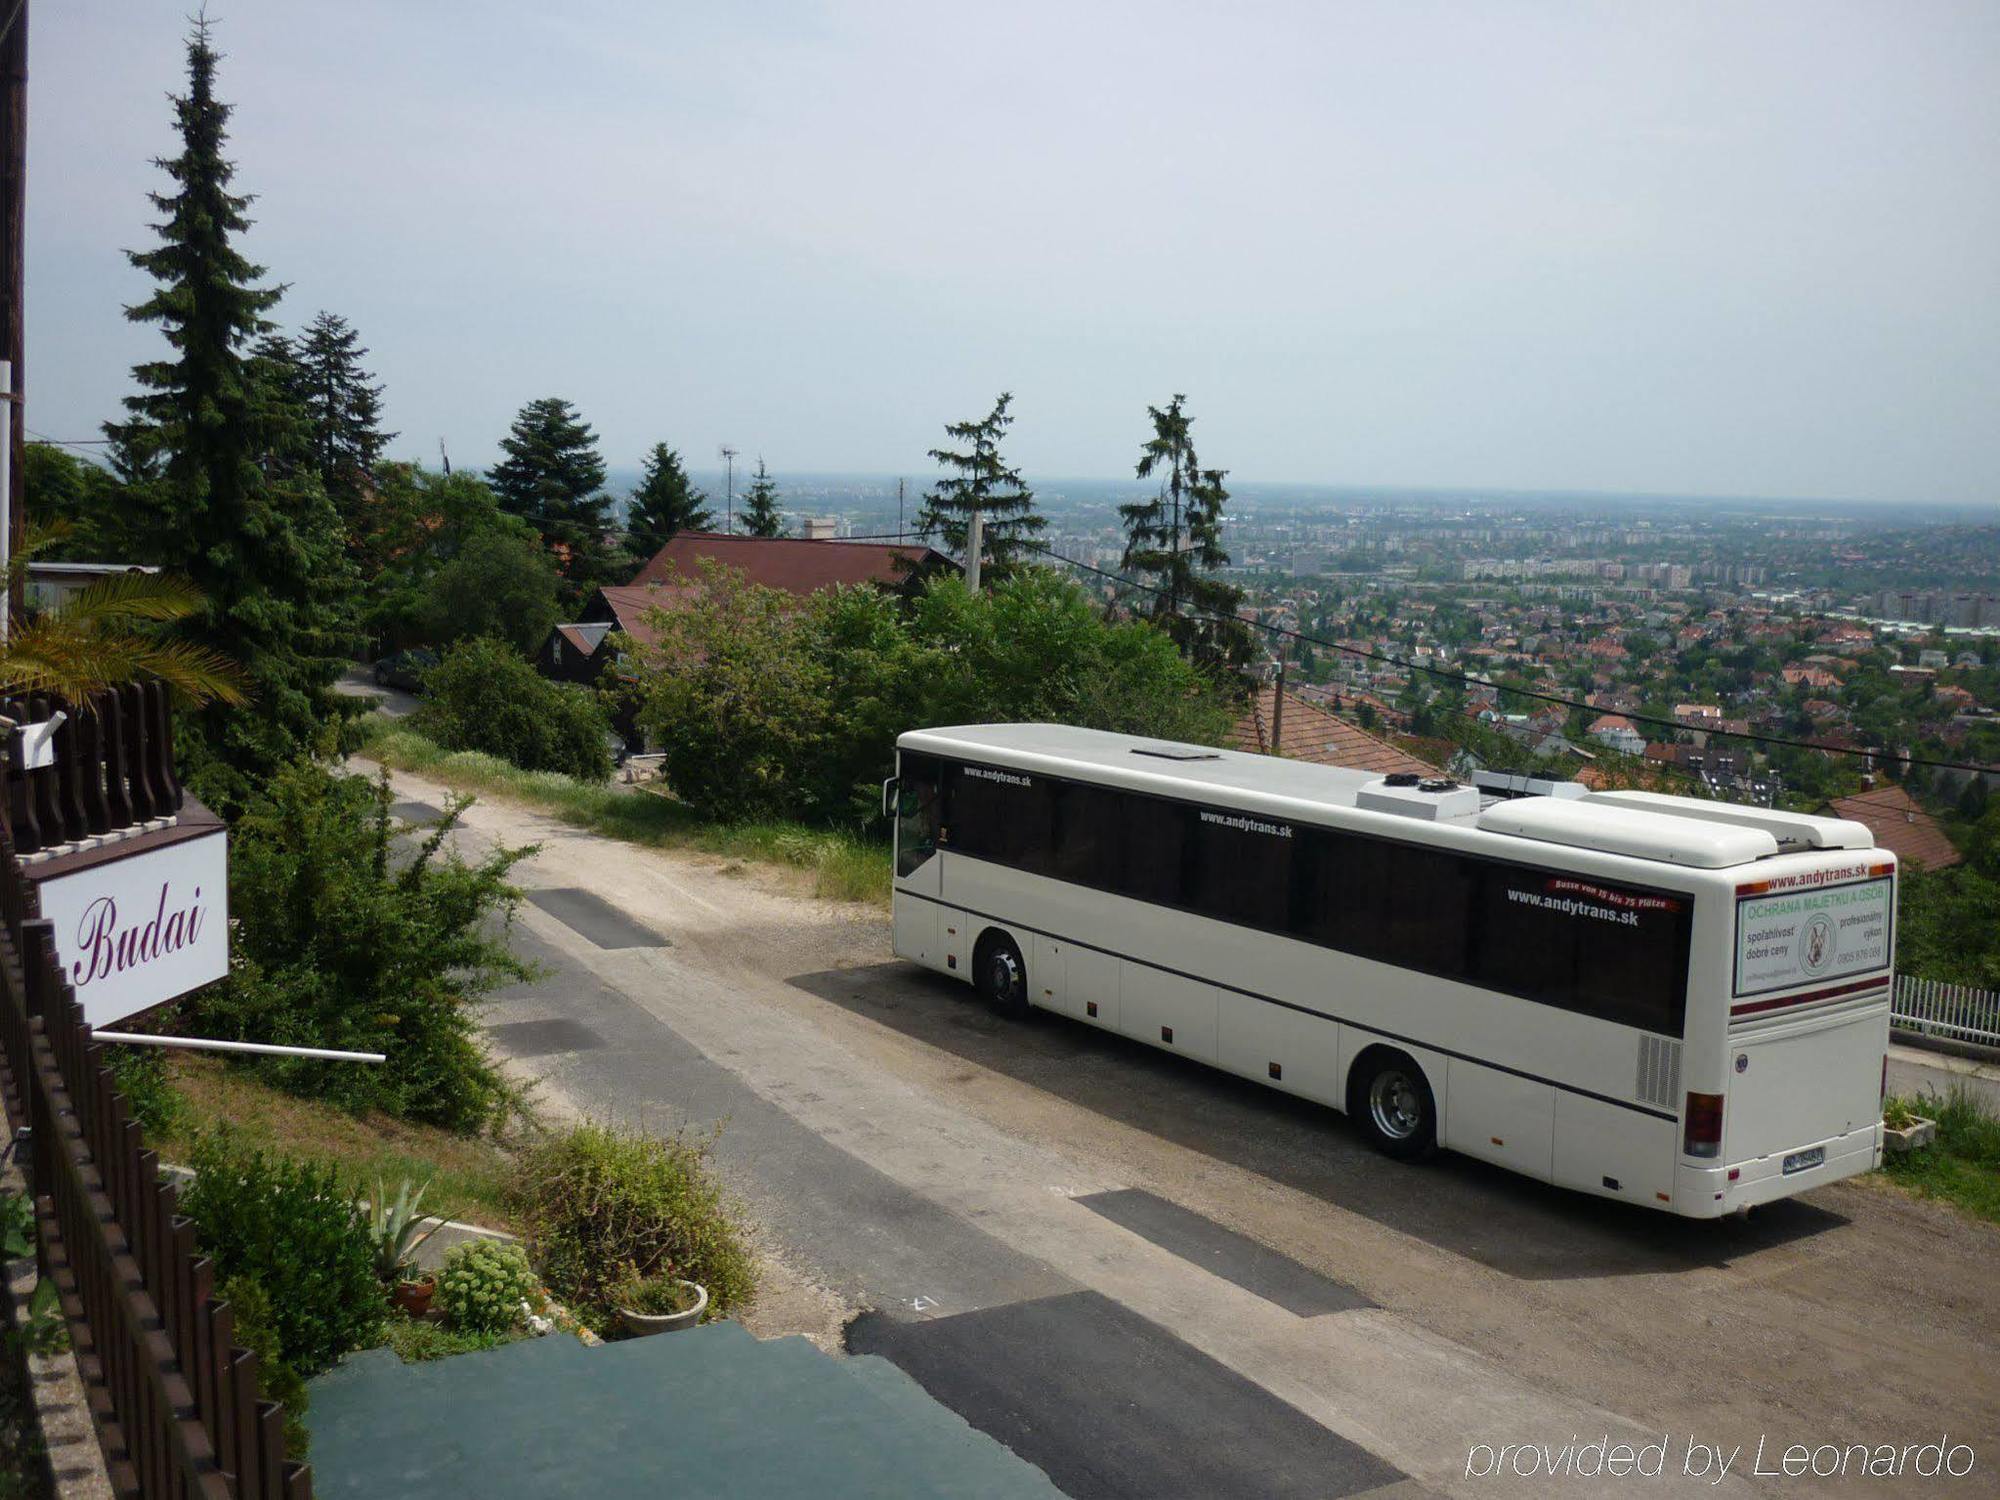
{"x":1899,"y":825}
{"x":1616,"y":732}
{"x":573,"y":651}
{"x":1306,"y":731}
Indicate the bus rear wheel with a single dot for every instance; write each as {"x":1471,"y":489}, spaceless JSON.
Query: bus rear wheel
{"x":1391,"y":1101}
{"x":1000,"y":974}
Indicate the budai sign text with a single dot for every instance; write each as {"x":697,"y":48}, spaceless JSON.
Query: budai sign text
{"x":133,"y":933}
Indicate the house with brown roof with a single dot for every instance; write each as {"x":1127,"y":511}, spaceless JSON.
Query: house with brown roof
{"x":1305,"y":731}
{"x":1899,"y":825}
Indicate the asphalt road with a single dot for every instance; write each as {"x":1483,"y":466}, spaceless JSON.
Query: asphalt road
{"x":1150,"y":1279}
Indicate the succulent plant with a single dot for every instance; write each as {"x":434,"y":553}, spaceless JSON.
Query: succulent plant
{"x":398,"y":1229}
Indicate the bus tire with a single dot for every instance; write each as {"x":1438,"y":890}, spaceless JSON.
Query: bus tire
{"x":1391,"y":1102}
{"x":1000,"y":974}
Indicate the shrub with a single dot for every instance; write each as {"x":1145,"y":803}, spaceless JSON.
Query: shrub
{"x":141,"y":1072}
{"x":286,"y":1225}
{"x":338,"y":945}
{"x":599,"y":1203}
{"x":769,"y":708}
{"x":483,"y":696}
{"x":651,"y":1296}
{"x":483,"y":1284}
{"x":254,"y":1329}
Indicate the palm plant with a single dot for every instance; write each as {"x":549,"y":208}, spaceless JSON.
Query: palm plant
{"x":96,"y":639}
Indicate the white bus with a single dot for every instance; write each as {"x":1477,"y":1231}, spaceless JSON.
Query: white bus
{"x":1672,"y":1002}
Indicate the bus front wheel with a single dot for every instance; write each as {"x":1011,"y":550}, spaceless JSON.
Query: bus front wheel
{"x":1390,"y":1099}
{"x":1001,"y":975}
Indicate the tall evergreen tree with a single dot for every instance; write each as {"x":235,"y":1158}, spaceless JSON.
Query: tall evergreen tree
{"x":263,"y":547}
{"x":760,"y":505}
{"x":664,"y":503}
{"x":343,"y":408}
{"x":981,"y":482}
{"x":553,"y":478}
{"x":1174,"y":543}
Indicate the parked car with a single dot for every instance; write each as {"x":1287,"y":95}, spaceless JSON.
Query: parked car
{"x":405,"y":669}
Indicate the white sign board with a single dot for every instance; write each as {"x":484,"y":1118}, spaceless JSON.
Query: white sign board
{"x":1796,"y":937}
{"x":135,"y":932}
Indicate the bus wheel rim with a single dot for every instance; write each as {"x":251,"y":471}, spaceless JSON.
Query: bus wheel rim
{"x":1394,"y":1106}
{"x":1004,"y":974}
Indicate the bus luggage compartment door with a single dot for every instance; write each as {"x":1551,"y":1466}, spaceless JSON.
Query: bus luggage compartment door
{"x":1798,"y":1084}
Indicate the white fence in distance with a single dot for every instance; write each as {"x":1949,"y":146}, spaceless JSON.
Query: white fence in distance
{"x":1933,"y":1008}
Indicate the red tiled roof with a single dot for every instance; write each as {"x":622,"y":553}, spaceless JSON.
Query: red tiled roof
{"x":1899,"y":824}
{"x":789,"y":563}
{"x":1311,"y":733}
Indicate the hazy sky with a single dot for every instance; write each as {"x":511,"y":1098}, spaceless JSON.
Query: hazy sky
{"x":1732,"y":247}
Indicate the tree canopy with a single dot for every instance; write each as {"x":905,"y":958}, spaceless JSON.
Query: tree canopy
{"x":664,"y":503}
{"x":205,"y":448}
{"x":980,"y":480}
{"x":553,"y":478}
{"x":761,"y":516}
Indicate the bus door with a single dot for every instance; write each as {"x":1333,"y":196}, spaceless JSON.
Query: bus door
{"x":919,"y":791}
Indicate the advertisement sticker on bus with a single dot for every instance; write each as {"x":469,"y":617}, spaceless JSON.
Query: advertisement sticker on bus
{"x":1794,"y":937}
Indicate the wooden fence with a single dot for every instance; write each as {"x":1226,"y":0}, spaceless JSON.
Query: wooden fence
{"x":1932,"y":1008}
{"x":174,"y":1400}
{"x":113,"y":768}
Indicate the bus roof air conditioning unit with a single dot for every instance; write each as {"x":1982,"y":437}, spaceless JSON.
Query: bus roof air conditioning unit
{"x":1430,"y":798}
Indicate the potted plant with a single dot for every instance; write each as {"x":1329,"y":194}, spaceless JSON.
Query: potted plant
{"x":399,"y":1231}
{"x":1903,"y":1129}
{"x":658,"y":1304}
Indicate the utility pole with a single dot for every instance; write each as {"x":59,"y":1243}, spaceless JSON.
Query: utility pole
{"x":975,"y":545}
{"x":729,"y":489}
{"x":899,"y":510}
{"x":13,"y":236}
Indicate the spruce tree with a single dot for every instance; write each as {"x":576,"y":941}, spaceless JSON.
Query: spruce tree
{"x":343,"y":408}
{"x":1174,"y":543}
{"x":664,"y":503}
{"x":263,"y":546}
{"x":984,"y":483}
{"x":760,"y":505}
{"x":553,"y":478}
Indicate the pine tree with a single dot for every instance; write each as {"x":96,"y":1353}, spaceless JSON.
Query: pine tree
{"x":664,"y":503}
{"x":1174,"y":542}
{"x":760,"y":505}
{"x":985,"y":484}
{"x":262,"y":546}
{"x":343,"y":408}
{"x":553,"y":478}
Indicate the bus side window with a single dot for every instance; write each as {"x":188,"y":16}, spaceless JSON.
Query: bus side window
{"x":916,"y":813}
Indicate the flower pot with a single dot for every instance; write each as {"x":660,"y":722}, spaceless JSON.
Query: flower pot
{"x":414,"y":1297}
{"x":639,"y":1324}
{"x":1901,"y":1138}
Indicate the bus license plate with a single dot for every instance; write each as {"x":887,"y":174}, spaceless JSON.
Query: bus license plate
{"x":1798,"y":1161}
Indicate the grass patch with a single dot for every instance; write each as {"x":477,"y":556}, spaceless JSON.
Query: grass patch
{"x":844,"y":866}
{"x":416,"y":1339}
{"x":469,"y":1175}
{"x":1962,"y":1165}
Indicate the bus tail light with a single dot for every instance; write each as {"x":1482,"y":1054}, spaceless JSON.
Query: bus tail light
{"x":1704,"y":1125}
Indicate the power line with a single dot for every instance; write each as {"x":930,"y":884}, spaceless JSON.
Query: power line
{"x":1462,"y":680}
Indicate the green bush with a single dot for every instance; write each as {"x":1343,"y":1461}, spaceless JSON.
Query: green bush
{"x":342,"y":941}
{"x":599,"y":1204}
{"x":141,"y":1073}
{"x":286,"y":1225}
{"x":766,"y":708}
{"x":256,"y":1330}
{"x":484,"y":696}
{"x":483,"y":1284}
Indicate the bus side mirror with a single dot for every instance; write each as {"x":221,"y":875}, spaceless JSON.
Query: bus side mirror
{"x":889,"y":790}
